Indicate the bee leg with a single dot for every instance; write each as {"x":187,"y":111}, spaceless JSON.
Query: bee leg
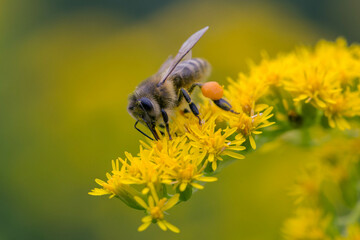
{"x":192,"y":105}
{"x":224,"y":105}
{"x":192,"y":87}
{"x":166,"y":121}
{"x":190,"y":90}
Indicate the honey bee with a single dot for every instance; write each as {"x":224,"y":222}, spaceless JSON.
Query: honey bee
{"x":156,"y":97}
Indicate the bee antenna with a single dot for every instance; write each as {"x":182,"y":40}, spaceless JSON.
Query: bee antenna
{"x":142,"y":131}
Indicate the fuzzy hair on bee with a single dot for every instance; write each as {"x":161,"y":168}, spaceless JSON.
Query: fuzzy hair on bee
{"x":155,"y":98}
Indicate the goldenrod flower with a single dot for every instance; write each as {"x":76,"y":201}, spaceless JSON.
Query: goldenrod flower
{"x":250,"y":125}
{"x":325,"y":77}
{"x":307,"y":186}
{"x":188,"y":171}
{"x":341,"y":60}
{"x":307,"y":224}
{"x":167,"y":152}
{"x":337,"y":160}
{"x":245,"y":92}
{"x":117,"y":185}
{"x":215,"y":143}
{"x":303,"y":86}
{"x":326,"y":186}
{"x":156,"y":208}
{"x":345,"y":104}
{"x":180,"y":166}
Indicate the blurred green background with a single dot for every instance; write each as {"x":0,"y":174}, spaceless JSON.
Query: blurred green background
{"x":66,"y":68}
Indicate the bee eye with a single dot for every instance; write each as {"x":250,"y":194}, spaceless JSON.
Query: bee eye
{"x":147,"y":104}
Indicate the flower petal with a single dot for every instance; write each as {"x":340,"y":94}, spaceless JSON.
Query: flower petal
{"x":183,"y":186}
{"x":161,"y":225}
{"x":171,"y":227}
{"x":233,"y":154}
{"x":252,"y":142}
{"x":146,"y":219}
{"x":151,"y":202}
{"x":171,"y":202}
{"x":214,"y":165}
{"x":207,"y":179}
{"x":98,"y":192}
{"x":144,"y":226}
{"x":141,"y":202}
{"x":196,"y":185}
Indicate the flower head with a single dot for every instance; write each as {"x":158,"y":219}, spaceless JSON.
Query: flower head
{"x":155,"y":208}
{"x":308,"y":224}
{"x":249,"y":126}
{"x":188,"y":171}
{"x":215,"y":143}
{"x":307,"y":185}
{"x":117,"y":185}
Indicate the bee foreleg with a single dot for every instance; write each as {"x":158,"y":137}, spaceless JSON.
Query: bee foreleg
{"x":224,"y":105}
{"x":192,"y":105}
{"x":166,"y":121}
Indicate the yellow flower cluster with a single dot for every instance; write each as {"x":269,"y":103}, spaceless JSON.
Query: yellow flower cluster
{"x":327,"y":78}
{"x":308,"y":224}
{"x":165,"y":172}
{"x":323,"y":189}
{"x":301,"y":87}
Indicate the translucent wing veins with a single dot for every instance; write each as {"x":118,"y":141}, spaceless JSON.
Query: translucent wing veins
{"x":185,"y":48}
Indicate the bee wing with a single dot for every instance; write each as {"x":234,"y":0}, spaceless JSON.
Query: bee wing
{"x":188,"y":56}
{"x":165,"y":65}
{"x":185,"y":49}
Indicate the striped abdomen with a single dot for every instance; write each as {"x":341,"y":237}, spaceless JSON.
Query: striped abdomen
{"x":189,"y":72}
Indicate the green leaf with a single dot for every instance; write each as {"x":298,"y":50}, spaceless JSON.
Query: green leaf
{"x":185,"y":195}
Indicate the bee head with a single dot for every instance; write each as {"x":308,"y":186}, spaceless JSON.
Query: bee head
{"x":144,"y":110}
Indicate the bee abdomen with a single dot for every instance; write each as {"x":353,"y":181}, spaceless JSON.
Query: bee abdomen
{"x":190,"y":71}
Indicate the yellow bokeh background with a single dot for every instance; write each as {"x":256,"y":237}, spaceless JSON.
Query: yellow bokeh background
{"x":64,"y":84}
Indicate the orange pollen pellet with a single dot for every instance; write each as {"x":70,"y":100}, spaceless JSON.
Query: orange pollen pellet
{"x":212,"y":90}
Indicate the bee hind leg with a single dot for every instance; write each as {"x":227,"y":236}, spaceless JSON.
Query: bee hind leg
{"x":166,"y":121}
{"x":192,"y":105}
{"x":224,"y":105}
